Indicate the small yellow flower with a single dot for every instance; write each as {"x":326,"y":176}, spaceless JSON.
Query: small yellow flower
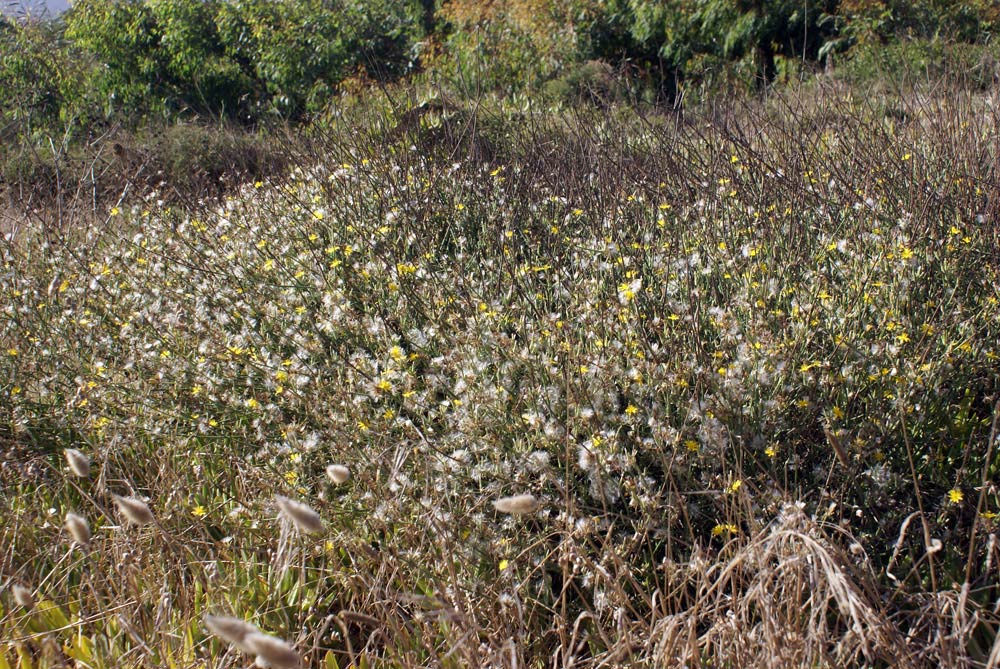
{"x":691,"y":445}
{"x":503,"y":565}
{"x":631,"y":410}
{"x":292,"y":477}
{"x":724,"y":528}
{"x":734,"y":486}
{"x":199,"y":511}
{"x":955,"y":496}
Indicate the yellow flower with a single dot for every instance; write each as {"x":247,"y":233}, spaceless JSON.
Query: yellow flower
{"x":955,"y":496}
{"x":724,"y":528}
{"x":199,"y":511}
{"x":734,"y":486}
{"x":503,"y":564}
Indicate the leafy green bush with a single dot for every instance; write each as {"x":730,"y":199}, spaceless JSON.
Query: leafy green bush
{"x":41,"y":79}
{"x":882,"y":20}
{"x":243,"y":60}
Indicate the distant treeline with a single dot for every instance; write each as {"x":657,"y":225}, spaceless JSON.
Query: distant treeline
{"x":253,"y":60}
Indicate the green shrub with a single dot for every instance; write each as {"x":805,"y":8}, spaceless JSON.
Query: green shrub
{"x":243,"y":60}
{"x":41,"y":80}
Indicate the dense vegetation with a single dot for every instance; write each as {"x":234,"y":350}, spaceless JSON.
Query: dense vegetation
{"x":589,"y":334}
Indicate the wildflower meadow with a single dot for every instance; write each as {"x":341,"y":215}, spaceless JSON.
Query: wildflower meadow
{"x":518,"y":385}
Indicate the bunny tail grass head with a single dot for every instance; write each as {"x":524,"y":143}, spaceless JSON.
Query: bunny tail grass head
{"x":272,"y":651}
{"x":78,"y":463}
{"x":517,"y":504}
{"x":22,"y":596}
{"x":302,"y":516}
{"x":135,"y":510}
{"x":338,"y":473}
{"x":231,"y":630}
{"x":78,"y":528}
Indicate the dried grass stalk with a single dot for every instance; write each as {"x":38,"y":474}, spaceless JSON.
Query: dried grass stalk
{"x":788,"y":598}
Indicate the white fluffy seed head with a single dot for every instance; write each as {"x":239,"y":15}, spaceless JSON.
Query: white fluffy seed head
{"x":22,"y":596}
{"x":526,"y":503}
{"x":302,"y":516}
{"x":272,"y":651}
{"x":338,"y":473}
{"x":78,"y":527}
{"x":135,"y":510}
{"x":78,"y":463}
{"x":231,"y":630}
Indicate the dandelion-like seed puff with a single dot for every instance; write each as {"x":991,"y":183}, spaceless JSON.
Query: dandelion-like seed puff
{"x":517,"y":504}
{"x":135,"y":510}
{"x":301,"y":515}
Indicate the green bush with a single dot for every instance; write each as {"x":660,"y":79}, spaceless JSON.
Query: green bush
{"x":42,"y":80}
{"x":243,"y":60}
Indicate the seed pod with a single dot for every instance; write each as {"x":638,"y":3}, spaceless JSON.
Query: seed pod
{"x":135,"y":510}
{"x":272,"y":651}
{"x":78,"y":527}
{"x":518,"y":504}
{"x":232,"y":630}
{"x":301,"y":515}
{"x":838,"y":447}
{"x":78,"y":463}
{"x":338,"y":473}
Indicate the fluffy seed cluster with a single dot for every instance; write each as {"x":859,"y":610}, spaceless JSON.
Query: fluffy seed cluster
{"x":22,"y":596}
{"x":301,"y":515}
{"x":270,"y":651}
{"x":339,"y":474}
{"x":78,"y":462}
{"x":231,"y":630}
{"x":78,"y":528}
{"x":517,"y":504}
{"x":135,"y":510}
